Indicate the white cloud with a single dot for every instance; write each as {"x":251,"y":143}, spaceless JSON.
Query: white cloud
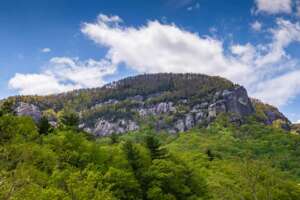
{"x":63,"y":74}
{"x":285,"y":33}
{"x":246,"y":52}
{"x":160,"y":47}
{"x":256,"y":26}
{"x":46,"y":50}
{"x":37,"y":84}
{"x":279,"y":90}
{"x":157,"y":47}
{"x":274,"y":6}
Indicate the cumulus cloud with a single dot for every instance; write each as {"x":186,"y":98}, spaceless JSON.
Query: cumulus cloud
{"x":279,"y":90}
{"x":285,"y":33}
{"x":274,"y":6}
{"x":157,"y":47}
{"x":63,"y":74}
{"x":160,"y":47}
{"x":246,"y":53}
{"x":256,"y":26}
{"x":46,"y":50}
{"x":277,"y":73}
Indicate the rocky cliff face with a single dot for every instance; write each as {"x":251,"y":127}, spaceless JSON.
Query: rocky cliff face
{"x":175,"y":116}
{"x":170,"y":102}
{"x":106,"y":127}
{"x":25,"y":109}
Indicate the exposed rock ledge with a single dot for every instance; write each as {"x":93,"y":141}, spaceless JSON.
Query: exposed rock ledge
{"x":105,"y":127}
{"x":25,"y":109}
{"x":235,"y":101}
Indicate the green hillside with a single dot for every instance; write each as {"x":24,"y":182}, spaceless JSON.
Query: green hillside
{"x":222,"y":161}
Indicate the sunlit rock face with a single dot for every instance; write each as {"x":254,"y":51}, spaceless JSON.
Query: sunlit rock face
{"x":25,"y":109}
{"x":104,"y":127}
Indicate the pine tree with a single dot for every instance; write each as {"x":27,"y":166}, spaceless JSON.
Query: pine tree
{"x":154,"y":146}
{"x":132,"y":155}
{"x":44,"y":126}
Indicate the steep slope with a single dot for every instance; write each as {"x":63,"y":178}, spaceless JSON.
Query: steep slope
{"x":170,"y":102}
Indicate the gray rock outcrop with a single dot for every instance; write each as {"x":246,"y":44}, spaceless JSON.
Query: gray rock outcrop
{"x":104,"y":127}
{"x":160,"y":108}
{"x":25,"y":109}
{"x":235,"y":101}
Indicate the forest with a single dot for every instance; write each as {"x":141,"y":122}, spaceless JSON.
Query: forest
{"x":220,"y":162}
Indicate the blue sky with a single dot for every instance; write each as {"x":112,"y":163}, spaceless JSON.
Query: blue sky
{"x":50,"y":46}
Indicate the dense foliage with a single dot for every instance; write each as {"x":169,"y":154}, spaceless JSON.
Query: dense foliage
{"x":223,"y":161}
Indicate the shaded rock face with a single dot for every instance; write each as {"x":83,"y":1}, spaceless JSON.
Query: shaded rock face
{"x":238,"y":102}
{"x":25,"y":109}
{"x":235,"y":101}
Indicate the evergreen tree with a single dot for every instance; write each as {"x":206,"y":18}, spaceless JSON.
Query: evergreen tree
{"x":154,"y":146}
{"x":132,"y":155}
{"x":44,"y":126}
{"x":114,"y":138}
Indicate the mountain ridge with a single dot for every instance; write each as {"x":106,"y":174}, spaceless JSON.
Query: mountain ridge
{"x":174,"y":103}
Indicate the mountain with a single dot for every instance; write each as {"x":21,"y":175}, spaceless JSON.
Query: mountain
{"x":229,"y":146}
{"x":168,"y":102}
